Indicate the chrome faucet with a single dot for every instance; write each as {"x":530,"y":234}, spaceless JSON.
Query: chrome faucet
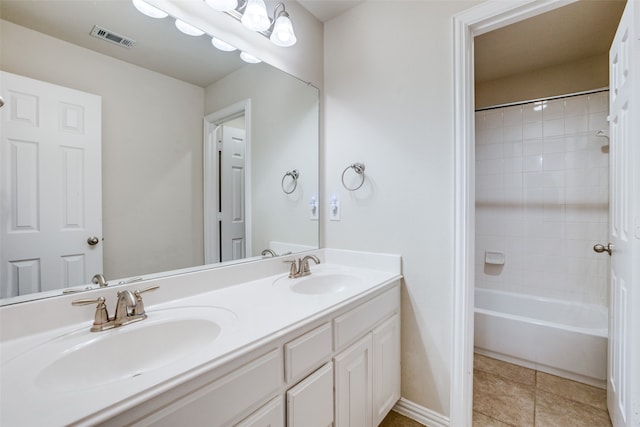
{"x":300,"y":267}
{"x":269,"y":252}
{"x":129,"y":309}
{"x":124,"y":307}
{"x":99,"y":280}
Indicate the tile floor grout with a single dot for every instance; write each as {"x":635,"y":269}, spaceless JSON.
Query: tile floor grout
{"x":540,"y":398}
{"x":554,"y":401}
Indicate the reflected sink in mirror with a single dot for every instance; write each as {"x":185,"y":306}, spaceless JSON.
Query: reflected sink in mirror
{"x":82,"y":359}
{"x":320,"y":283}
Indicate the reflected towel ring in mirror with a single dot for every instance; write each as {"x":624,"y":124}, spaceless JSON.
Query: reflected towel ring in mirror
{"x":359,"y":169}
{"x":294,"y":174}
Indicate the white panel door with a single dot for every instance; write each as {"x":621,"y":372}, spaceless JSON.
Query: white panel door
{"x":353,"y":385}
{"x":232,"y":191}
{"x":623,"y":385}
{"x":50,"y":186}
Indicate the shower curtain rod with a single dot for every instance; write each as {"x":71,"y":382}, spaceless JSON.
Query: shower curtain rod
{"x":569,"y":95}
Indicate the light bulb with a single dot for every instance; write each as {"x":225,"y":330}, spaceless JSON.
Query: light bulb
{"x":222,"y":45}
{"x":188,"y":29}
{"x":222,"y":5}
{"x":247,"y":57}
{"x":255,"y":16}
{"x":150,"y":11}
{"x":283,"y":34}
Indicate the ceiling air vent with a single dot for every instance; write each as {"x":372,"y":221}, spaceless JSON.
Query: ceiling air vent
{"x":110,"y":36}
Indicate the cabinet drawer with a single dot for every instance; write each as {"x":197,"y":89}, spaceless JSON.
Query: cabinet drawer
{"x":270,"y":415}
{"x":310,"y":403}
{"x":306,"y":353}
{"x":226,"y":400}
{"x":362,"y":319}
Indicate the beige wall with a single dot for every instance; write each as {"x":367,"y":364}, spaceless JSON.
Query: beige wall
{"x":585,"y":74}
{"x":284,"y":129}
{"x":388,"y":103}
{"x":151,"y":150}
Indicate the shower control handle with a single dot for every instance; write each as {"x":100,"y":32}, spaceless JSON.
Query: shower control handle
{"x":602,"y":248}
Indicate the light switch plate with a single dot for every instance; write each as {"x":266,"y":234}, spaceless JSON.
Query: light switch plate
{"x":334,"y":210}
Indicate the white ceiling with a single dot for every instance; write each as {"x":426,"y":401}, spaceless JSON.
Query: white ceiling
{"x":159,"y":45}
{"x":325,"y":10}
{"x":576,"y":31}
{"x":579,"y":30}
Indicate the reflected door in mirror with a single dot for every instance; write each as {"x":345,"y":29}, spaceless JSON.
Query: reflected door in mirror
{"x":50,"y":186}
{"x":232,"y":166}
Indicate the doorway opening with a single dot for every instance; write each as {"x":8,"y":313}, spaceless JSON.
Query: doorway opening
{"x":227,"y":183}
{"x":467,"y":25}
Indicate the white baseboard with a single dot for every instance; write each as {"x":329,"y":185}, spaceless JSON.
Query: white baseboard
{"x":420,"y":413}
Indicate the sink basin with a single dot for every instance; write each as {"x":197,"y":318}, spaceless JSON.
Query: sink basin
{"x":321,"y":283}
{"x":84,"y":359}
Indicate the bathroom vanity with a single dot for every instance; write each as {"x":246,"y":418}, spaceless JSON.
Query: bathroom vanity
{"x":240,"y":345}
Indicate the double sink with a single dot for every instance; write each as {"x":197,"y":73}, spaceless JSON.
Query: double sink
{"x":81,"y":360}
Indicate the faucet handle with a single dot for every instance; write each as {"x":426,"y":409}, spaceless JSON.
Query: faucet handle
{"x":294,"y":271}
{"x":139,"y":308}
{"x":150,"y":288}
{"x":101,"y":317}
{"x":100,"y":300}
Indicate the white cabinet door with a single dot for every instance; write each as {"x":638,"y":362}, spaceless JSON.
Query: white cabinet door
{"x":270,"y":415}
{"x":310,"y":403}
{"x":386,"y":367}
{"x":353,"y":385}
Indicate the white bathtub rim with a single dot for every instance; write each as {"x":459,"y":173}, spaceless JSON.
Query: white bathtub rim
{"x":597,"y":332}
{"x":599,"y":309}
{"x":595,"y":307}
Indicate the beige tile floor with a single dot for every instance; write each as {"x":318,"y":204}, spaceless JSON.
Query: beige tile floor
{"x":510,"y":395}
{"x":507,"y":395}
{"x":396,"y":420}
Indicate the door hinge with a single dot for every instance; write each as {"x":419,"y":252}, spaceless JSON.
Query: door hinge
{"x":219,"y":216}
{"x":219,"y":145}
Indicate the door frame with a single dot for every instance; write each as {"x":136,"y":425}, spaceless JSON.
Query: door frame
{"x":210,"y":172}
{"x":485,"y":17}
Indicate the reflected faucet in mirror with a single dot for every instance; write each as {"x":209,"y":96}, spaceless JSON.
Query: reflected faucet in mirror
{"x":269,"y":253}
{"x":99,"y":280}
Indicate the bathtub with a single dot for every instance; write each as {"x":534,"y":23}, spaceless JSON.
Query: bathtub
{"x":561,"y":338}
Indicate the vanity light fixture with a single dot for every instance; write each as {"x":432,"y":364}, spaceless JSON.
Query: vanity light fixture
{"x":188,"y":29}
{"x":247,"y":57}
{"x":282,"y":33}
{"x":253,"y":15}
{"x":222,"y":45}
{"x":150,"y":11}
{"x":281,"y":23}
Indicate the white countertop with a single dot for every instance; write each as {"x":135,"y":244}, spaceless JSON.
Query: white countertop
{"x":251,"y":313}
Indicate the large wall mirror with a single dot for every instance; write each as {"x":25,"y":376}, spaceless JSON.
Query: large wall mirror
{"x":170,"y":110}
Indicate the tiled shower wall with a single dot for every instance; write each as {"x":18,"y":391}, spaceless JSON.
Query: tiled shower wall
{"x":542,"y":179}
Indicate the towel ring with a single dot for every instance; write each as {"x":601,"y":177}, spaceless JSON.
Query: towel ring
{"x":294,"y":174}
{"x":359,"y":169}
